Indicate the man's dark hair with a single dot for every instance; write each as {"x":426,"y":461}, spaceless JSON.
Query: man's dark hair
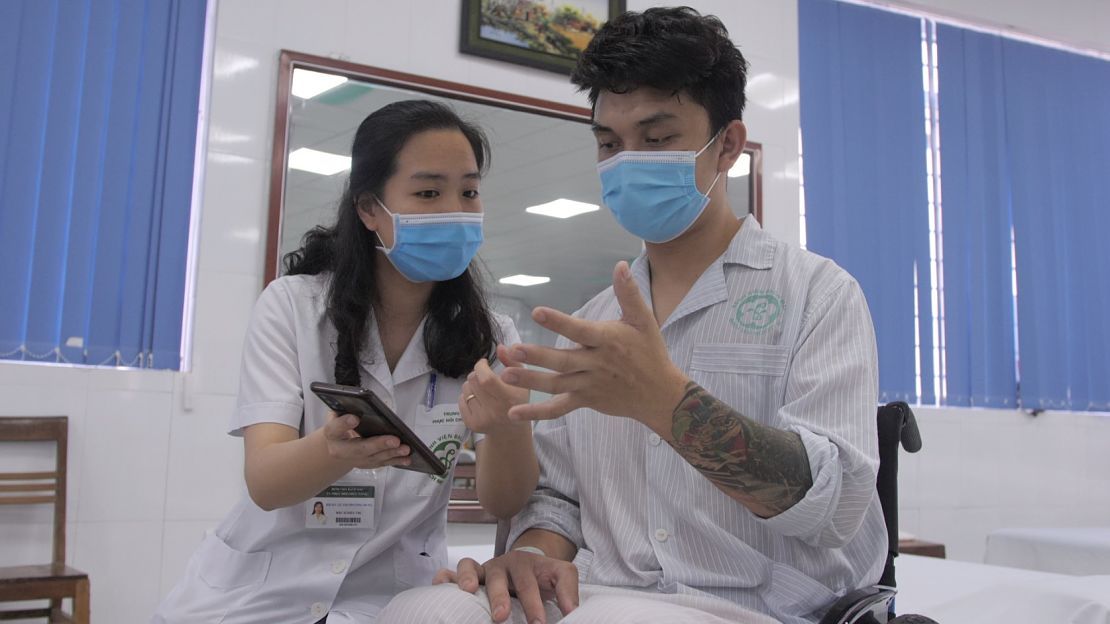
{"x":670,"y":49}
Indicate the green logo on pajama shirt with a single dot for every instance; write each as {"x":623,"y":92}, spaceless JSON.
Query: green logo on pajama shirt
{"x":757,"y":311}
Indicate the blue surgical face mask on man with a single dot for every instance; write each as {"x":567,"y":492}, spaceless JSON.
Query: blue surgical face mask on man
{"x":433,"y":247}
{"x":654,"y":195}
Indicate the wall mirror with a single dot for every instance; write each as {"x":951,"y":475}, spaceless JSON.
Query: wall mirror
{"x":542,"y":169}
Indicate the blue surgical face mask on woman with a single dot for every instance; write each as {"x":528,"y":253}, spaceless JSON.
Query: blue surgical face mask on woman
{"x":433,"y":247}
{"x":654,"y":195}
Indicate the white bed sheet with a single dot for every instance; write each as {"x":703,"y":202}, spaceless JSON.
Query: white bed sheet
{"x":955,"y":592}
{"x":1082,"y":551}
{"x":959,"y":592}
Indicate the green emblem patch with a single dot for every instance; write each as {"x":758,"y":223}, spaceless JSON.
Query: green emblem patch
{"x":446,"y":448}
{"x":757,"y":311}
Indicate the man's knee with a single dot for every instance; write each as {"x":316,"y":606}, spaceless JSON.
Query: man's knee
{"x":437,"y":604}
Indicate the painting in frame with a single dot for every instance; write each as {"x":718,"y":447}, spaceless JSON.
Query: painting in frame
{"x":545,"y":34}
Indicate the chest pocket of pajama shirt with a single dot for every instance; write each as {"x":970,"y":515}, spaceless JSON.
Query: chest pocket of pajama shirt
{"x":742,"y":375}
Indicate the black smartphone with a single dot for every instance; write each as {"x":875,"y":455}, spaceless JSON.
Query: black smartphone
{"x":376,"y":419}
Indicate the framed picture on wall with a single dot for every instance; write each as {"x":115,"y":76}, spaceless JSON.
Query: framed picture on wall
{"x":545,"y":34}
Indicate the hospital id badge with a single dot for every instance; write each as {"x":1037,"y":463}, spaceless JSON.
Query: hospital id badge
{"x":349,"y":503}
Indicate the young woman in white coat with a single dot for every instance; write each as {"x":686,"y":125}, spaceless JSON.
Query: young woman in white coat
{"x":386,"y":299}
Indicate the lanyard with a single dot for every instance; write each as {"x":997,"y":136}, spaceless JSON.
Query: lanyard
{"x":430,"y":393}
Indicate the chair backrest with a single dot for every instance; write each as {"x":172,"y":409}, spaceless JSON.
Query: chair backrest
{"x":39,"y":488}
{"x":897,"y":427}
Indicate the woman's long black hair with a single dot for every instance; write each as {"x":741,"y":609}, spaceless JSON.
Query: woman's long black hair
{"x":459,"y":329}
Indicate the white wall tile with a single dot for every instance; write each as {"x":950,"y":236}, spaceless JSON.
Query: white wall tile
{"x":941,"y":477}
{"x":205,"y":474}
{"x":436,"y":56}
{"x":313,"y":26}
{"x":909,"y":520}
{"x":1016,"y":475}
{"x":909,"y":479}
{"x":962,"y":531}
{"x":1036,"y":461}
{"x":131,"y":379}
{"x":27,"y":536}
{"x":981,"y":473}
{"x":26,"y":374}
{"x":247,"y":20}
{"x":234,"y":215}
{"x":756,"y":25}
{"x":1095,"y":473}
{"x":781,"y":193}
{"x":124,"y":564}
{"x":124,"y":457}
{"x":1094,"y":514}
{"x":772,"y":118}
{"x":224,"y":303}
{"x":241,"y":110}
{"x":1058,"y":447}
{"x":1039,"y":515}
{"x":371,"y":40}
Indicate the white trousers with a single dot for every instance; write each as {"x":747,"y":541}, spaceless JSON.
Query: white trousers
{"x":447,"y":604}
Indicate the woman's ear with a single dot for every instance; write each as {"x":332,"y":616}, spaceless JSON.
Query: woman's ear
{"x":368,"y":211}
{"x":734,"y":137}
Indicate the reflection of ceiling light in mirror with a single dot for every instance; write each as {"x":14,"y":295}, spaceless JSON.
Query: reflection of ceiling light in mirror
{"x":314,"y":161}
{"x":308,"y":84}
{"x":562,"y":208}
{"x":524,"y":280}
{"x":742,"y":167}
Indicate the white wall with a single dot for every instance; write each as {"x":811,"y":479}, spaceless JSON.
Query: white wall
{"x":150,"y":465}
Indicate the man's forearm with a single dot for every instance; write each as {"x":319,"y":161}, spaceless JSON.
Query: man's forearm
{"x":765,"y":468}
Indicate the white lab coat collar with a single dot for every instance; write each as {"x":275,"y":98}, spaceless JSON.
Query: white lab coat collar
{"x":413,"y":362}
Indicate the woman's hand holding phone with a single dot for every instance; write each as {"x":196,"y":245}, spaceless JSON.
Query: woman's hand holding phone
{"x":374,"y":452}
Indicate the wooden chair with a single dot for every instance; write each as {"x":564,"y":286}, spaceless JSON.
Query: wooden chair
{"x":54,"y":581}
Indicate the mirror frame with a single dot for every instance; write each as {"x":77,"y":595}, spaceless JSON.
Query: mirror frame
{"x":291,"y":60}
{"x":463,"y":506}
{"x":295,"y":60}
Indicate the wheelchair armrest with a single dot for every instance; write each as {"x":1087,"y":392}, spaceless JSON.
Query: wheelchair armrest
{"x":857,"y":606}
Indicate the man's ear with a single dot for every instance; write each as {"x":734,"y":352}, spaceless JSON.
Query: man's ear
{"x":734,"y":137}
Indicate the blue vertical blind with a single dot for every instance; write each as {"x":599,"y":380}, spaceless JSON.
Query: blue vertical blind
{"x":1058,"y":147}
{"x":98,"y":119}
{"x":863,"y":135}
{"x":1026,"y":156}
{"x":978,"y":294}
